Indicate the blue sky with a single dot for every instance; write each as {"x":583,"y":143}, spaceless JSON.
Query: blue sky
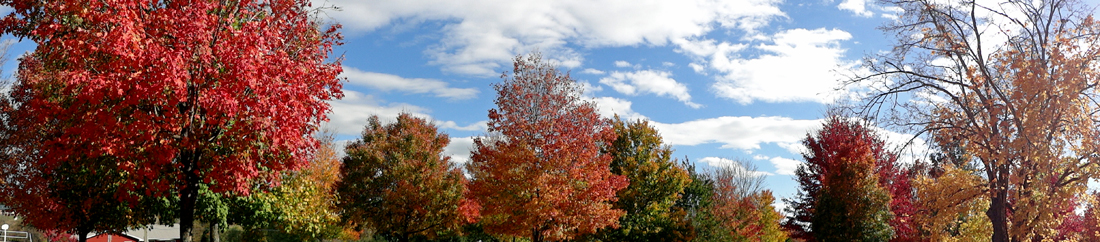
{"x":721,"y":80}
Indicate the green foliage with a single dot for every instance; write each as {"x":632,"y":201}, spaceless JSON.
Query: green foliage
{"x":856,"y":214}
{"x":655,"y":183}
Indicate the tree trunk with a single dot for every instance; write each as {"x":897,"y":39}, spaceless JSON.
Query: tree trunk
{"x":188,"y":195}
{"x":536,"y":236}
{"x":81,"y":236}
{"x":215,"y":233}
{"x":997,"y":212}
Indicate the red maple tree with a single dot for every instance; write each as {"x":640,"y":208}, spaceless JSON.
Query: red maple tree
{"x":540,"y":173}
{"x":840,"y":196}
{"x":182,"y":93}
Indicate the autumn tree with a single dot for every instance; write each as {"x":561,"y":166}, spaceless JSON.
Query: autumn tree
{"x":397,"y":181}
{"x":839,"y":198}
{"x":182,"y":93}
{"x":1014,"y":83}
{"x":76,"y":197}
{"x":540,"y":174}
{"x":742,"y":208}
{"x":305,"y":201}
{"x":656,"y":182}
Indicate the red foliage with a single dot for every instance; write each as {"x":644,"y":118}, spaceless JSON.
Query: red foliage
{"x":897,"y":181}
{"x":832,"y":150}
{"x":181,"y":92}
{"x":542,"y":175}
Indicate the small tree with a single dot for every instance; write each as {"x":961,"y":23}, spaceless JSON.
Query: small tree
{"x":396,"y":180}
{"x":742,"y":208}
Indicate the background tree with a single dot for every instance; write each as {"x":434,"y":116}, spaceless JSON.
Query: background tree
{"x":1014,"y":83}
{"x":839,"y":198}
{"x":541,"y":174}
{"x":305,"y":202}
{"x":694,"y":206}
{"x":742,"y":207}
{"x":396,"y":180}
{"x":656,"y":182}
{"x":950,"y":197}
{"x":183,"y":94}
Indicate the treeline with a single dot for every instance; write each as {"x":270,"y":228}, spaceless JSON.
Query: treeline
{"x":130,"y":113}
{"x":550,"y":169}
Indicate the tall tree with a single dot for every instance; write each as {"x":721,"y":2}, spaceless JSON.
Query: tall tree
{"x":1014,"y":83}
{"x":656,"y":182}
{"x":541,"y":174}
{"x":182,"y":93}
{"x":396,"y":180}
{"x":839,"y":198}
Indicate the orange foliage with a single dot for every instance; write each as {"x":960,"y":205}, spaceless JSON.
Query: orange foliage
{"x":541,"y":174}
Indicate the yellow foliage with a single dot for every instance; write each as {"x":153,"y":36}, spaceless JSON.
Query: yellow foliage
{"x":953,"y":206}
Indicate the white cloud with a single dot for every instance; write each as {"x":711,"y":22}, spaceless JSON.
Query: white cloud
{"x":609,"y":106}
{"x":737,"y":166}
{"x":477,"y":126}
{"x":783,"y":166}
{"x":796,"y":148}
{"x":349,"y":115}
{"x":908,"y":151}
{"x":745,"y":133}
{"x":668,"y":64}
{"x":387,"y":82}
{"x":590,"y":89}
{"x":649,"y":81}
{"x":592,"y":71}
{"x":799,"y":65}
{"x":480,"y":35}
{"x":859,"y":7}
{"x":622,"y":64}
{"x":459,"y":149}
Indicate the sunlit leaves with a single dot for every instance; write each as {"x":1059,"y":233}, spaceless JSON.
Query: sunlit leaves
{"x":183,"y":93}
{"x":1021,"y":100}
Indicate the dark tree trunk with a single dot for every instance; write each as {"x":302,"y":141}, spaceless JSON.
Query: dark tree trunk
{"x":998,"y":212}
{"x":82,"y":235}
{"x":189,"y":195}
{"x":536,"y":235}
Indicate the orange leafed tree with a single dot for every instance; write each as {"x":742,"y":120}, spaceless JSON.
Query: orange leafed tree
{"x":396,"y":181}
{"x":540,"y":173}
{"x":1014,"y":83}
